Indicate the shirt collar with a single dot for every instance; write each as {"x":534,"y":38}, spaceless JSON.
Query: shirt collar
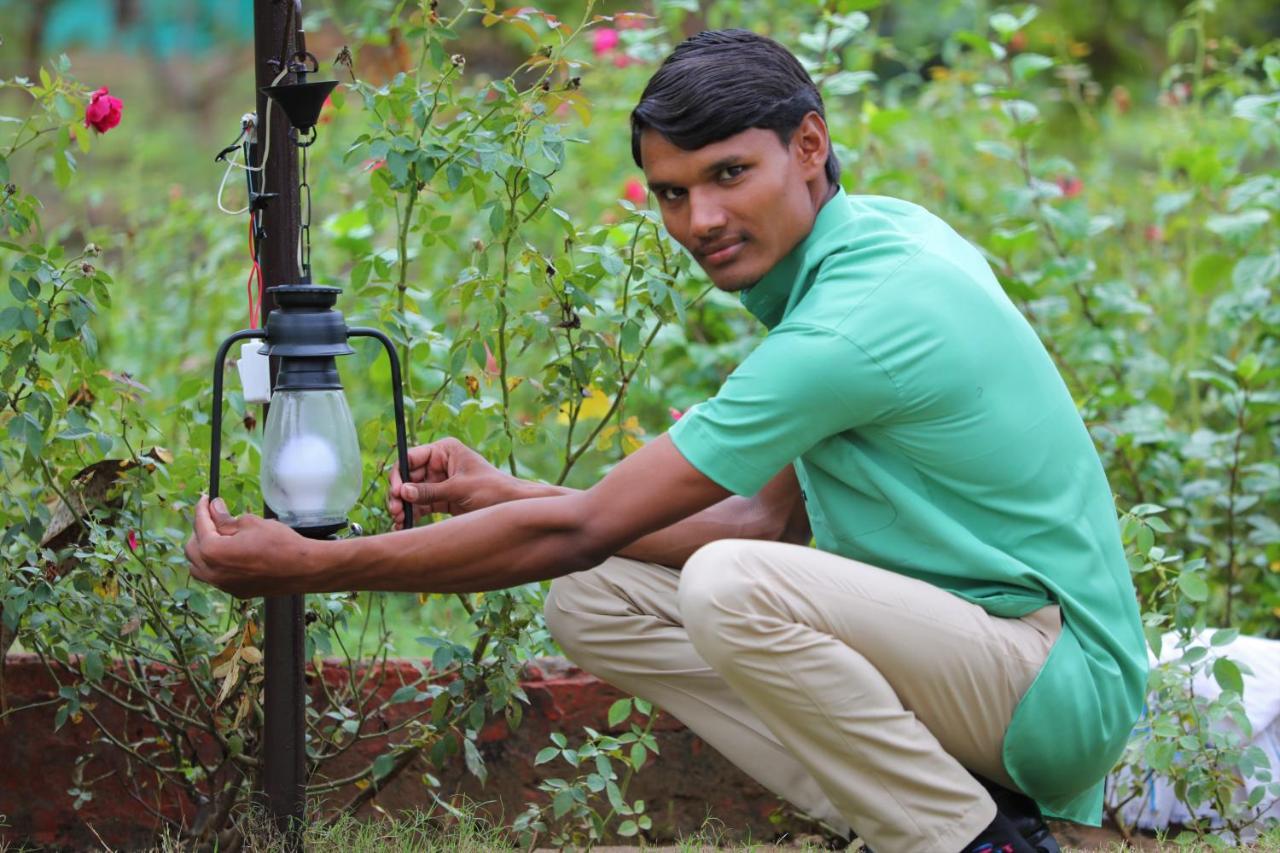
{"x":771,"y":297}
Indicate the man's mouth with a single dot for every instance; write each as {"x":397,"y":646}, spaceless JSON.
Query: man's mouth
{"x":720,"y":254}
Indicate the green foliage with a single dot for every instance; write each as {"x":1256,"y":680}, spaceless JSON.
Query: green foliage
{"x":577,"y":815}
{"x":474,"y":215}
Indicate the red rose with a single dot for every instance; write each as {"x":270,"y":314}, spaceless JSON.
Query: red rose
{"x":103,"y":112}
{"x":635,"y":192}
{"x":1070,"y":186}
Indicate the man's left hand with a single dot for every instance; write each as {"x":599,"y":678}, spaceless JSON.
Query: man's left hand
{"x":247,"y":555}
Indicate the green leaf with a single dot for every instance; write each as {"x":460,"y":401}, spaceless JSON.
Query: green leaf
{"x":398,"y":165}
{"x":1223,"y":636}
{"x":1171,"y":203}
{"x":404,"y":694}
{"x":638,"y":755}
{"x":475,"y":763}
{"x":1021,"y":112}
{"x":561,"y":803}
{"x":1256,"y":270}
{"x":497,"y":218}
{"x":93,"y":667}
{"x":848,"y":82}
{"x":1004,"y":24}
{"x":1210,"y":271}
{"x":1238,"y":226}
{"x":628,"y":828}
{"x":1144,"y":539}
{"x":382,"y":765}
{"x":619,"y":711}
{"x":545,"y":755}
{"x":559,"y":740}
{"x":75,"y":433}
{"x":10,"y":319}
{"x":1193,"y":586}
{"x":64,"y":330}
{"x":1272,"y":66}
{"x":1228,"y":676}
{"x":1027,"y":65}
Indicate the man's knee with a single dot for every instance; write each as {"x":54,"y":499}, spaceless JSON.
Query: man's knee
{"x":566,"y":606}
{"x":716,"y":587}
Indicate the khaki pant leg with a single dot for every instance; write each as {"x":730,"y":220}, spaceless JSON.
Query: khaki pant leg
{"x":620,"y":621}
{"x":884,"y":687}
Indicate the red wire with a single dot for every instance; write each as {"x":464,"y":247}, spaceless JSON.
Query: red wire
{"x":254,"y":272}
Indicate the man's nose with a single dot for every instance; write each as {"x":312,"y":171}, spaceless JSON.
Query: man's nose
{"x":706,"y":215}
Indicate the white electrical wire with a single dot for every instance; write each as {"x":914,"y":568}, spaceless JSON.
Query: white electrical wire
{"x":266,"y":153}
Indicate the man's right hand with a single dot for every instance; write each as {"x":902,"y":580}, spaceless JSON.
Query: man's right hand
{"x":447,"y":476}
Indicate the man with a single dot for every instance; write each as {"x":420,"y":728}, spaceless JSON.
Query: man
{"x":964,"y":632}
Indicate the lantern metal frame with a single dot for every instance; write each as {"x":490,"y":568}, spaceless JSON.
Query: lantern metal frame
{"x":306,"y":336}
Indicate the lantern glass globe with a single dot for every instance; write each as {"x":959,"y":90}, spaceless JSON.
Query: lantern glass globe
{"x":311,"y":473}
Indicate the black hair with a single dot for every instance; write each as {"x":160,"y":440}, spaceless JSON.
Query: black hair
{"x":721,"y":82}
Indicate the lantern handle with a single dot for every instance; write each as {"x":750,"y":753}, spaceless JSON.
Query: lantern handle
{"x":215,"y":443}
{"x":397,"y":393}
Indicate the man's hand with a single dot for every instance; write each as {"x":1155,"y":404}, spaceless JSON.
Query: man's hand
{"x":447,"y":476}
{"x":249,"y":556}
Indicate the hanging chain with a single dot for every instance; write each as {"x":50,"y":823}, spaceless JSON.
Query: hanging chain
{"x":304,"y":228}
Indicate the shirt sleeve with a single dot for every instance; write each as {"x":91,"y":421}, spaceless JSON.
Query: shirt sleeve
{"x":801,"y":385}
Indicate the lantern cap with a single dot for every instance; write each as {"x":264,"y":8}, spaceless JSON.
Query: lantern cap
{"x":306,"y":332}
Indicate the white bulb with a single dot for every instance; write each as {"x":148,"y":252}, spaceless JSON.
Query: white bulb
{"x":305,"y":471}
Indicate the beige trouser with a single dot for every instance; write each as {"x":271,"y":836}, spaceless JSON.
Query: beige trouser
{"x":857,"y":694}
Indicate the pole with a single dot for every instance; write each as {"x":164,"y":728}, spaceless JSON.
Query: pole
{"x":282,"y":747}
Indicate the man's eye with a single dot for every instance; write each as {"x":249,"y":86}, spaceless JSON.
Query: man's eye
{"x":728,"y":173}
{"x":671,"y":194}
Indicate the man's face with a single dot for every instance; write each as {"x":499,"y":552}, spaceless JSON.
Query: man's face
{"x":741,"y":204}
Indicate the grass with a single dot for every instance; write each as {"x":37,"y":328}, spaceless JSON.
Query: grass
{"x":464,"y":832}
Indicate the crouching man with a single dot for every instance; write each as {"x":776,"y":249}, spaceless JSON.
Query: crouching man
{"x":957,"y":649}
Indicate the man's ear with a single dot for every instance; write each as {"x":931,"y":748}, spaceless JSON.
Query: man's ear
{"x":810,"y":143}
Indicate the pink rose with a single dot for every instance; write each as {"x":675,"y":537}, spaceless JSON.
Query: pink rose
{"x":132,"y":540}
{"x":103,"y":112}
{"x":675,"y":413}
{"x":1154,"y":234}
{"x":635,"y":192}
{"x":606,"y":39}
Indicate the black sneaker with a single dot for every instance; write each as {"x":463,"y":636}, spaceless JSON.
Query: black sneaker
{"x":1024,"y":814}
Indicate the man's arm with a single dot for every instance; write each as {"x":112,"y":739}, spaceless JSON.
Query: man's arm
{"x":775,"y":513}
{"x":452,"y":478}
{"x":501,"y":546}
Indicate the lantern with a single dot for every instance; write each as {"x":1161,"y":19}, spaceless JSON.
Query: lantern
{"x":310,"y":474}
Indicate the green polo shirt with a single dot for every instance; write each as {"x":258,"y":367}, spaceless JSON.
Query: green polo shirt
{"x":932,"y":436}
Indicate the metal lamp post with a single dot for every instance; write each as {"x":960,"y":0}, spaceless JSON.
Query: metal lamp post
{"x":310,"y":479}
{"x":311,"y":471}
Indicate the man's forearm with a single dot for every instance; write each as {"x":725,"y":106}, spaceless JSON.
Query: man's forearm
{"x":733,"y":518}
{"x":504,"y":545}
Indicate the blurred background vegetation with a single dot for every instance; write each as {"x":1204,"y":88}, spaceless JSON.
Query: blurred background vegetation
{"x":1115,"y":161}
